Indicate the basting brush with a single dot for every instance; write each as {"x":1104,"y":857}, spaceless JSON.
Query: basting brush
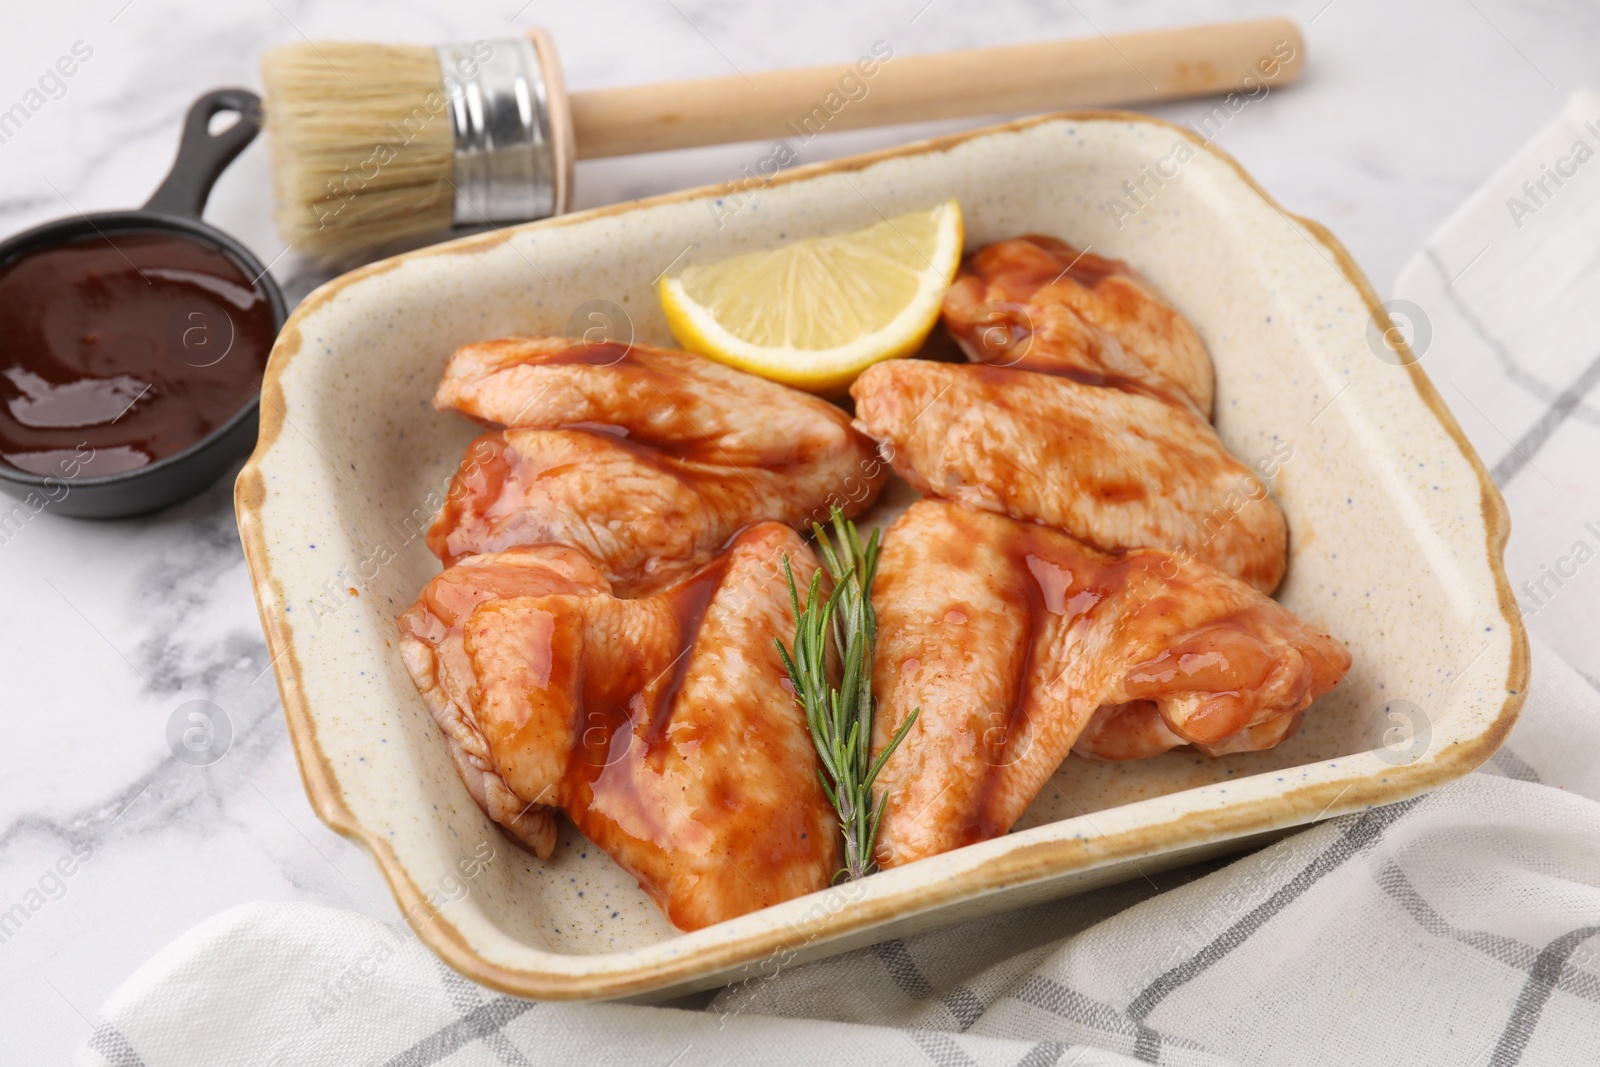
{"x":373,"y":144}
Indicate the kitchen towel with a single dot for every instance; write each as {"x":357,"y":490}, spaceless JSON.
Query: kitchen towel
{"x":1461,"y":927}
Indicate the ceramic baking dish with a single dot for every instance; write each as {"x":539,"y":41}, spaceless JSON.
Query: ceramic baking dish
{"x":1397,"y":535}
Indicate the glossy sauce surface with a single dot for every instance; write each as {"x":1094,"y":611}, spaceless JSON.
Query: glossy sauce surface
{"x":116,"y":355}
{"x":611,"y":712}
{"x":688,"y":603}
{"x":1049,"y":589}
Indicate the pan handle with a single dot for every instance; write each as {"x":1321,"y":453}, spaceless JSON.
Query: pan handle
{"x":202,"y":155}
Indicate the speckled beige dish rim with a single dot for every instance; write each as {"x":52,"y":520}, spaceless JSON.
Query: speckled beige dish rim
{"x":612,"y":976}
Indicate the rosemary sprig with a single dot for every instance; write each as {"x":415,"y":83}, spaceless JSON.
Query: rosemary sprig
{"x":840,"y":719}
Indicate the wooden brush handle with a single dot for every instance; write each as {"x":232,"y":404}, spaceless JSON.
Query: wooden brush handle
{"x":783,"y":104}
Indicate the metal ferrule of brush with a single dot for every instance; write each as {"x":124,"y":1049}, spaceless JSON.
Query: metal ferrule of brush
{"x":505,"y":152}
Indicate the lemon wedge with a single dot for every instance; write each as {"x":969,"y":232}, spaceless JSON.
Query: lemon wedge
{"x":816,"y":312}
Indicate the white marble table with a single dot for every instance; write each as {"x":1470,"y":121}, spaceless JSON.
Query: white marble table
{"x":107,"y":628}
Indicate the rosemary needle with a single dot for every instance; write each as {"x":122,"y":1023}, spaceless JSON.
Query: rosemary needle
{"x":840,"y":718}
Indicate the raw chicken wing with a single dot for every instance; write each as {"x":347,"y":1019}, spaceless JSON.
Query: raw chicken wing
{"x":645,"y":517}
{"x":1010,"y":637}
{"x":1113,"y":468}
{"x":431,"y":645}
{"x":682,"y":404}
{"x":1035,"y":303}
{"x":660,"y":725}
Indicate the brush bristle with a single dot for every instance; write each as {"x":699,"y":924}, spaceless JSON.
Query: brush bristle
{"x":362,"y":149}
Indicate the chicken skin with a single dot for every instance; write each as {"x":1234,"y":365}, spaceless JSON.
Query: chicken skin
{"x":685,"y":406}
{"x":645,"y":517}
{"x":1010,"y":637}
{"x":1115,"y":469}
{"x":661,"y":725}
{"x":1035,"y":303}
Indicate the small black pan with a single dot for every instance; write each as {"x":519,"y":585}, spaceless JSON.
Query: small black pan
{"x":174,"y":210}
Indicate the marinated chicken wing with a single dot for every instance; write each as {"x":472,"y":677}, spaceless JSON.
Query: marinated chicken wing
{"x":684,"y":405}
{"x":660,"y":725}
{"x":1010,"y":637}
{"x":435,"y":655}
{"x":644,"y":517}
{"x":1035,"y":303}
{"x":1113,"y":468}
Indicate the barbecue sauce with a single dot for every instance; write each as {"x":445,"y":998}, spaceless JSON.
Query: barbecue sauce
{"x":1048,"y":578}
{"x":118,"y":352}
